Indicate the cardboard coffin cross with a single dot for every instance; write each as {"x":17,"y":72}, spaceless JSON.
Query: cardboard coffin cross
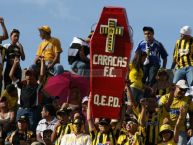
{"x":111,"y":46}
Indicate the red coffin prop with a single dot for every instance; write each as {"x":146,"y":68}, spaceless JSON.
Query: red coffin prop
{"x":111,"y":46}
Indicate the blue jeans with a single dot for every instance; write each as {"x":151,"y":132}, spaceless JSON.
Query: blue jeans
{"x":80,"y":68}
{"x":56,"y":70}
{"x":33,"y":115}
{"x":150,"y":72}
{"x":182,"y":140}
{"x":185,"y":73}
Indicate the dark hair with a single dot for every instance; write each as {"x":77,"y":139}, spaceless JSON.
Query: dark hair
{"x":73,"y":112}
{"x":163,"y":72}
{"x":14,"y":31}
{"x":50,"y":108}
{"x":104,"y":121}
{"x":91,"y":33}
{"x":137,"y":60}
{"x":148,"y":93}
{"x":81,"y":119}
{"x":172,"y":135}
{"x":147,"y":28}
{"x":10,"y":88}
{"x":47,"y":133}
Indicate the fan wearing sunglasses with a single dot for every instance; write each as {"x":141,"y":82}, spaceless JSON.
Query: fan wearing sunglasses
{"x":176,"y":99}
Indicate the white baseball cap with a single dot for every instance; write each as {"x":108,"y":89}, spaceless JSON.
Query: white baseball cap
{"x":186,"y":30}
{"x":85,"y":99}
{"x":182,"y":84}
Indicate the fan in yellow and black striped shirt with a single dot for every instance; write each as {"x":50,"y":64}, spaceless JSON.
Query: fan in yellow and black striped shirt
{"x":183,"y":53}
{"x":63,"y":126}
{"x":104,"y":135}
{"x":153,"y":119}
{"x":183,"y":56}
{"x":135,"y":134}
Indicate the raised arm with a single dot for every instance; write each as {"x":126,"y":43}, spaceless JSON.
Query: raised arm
{"x":13,"y":69}
{"x":89,"y":117}
{"x":5,"y":34}
{"x":122,"y":117}
{"x":42,"y":70}
{"x":179,"y":122}
{"x":143,"y":112}
{"x":130,"y":94}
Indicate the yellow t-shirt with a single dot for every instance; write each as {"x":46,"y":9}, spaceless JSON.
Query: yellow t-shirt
{"x":49,"y":48}
{"x":12,"y":101}
{"x":135,"y":77}
{"x":175,"y":106}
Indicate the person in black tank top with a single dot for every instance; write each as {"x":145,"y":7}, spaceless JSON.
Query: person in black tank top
{"x":14,"y":50}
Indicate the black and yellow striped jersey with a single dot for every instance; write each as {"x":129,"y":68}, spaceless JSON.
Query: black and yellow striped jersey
{"x":61,"y":131}
{"x":103,"y":138}
{"x":183,"y":53}
{"x":152,"y":124}
{"x":152,"y":128}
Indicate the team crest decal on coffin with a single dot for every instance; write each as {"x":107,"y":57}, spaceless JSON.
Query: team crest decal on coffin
{"x":111,"y":30}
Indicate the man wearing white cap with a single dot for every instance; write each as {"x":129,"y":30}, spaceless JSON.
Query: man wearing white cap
{"x":174,"y":100}
{"x":182,"y":56}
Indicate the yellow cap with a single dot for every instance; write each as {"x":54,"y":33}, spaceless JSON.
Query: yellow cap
{"x":165,"y":127}
{"x":45,"y":28}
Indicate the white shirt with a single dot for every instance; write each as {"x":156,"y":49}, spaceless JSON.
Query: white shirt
{"x":44,"y":125}
{"x":72,"y":139}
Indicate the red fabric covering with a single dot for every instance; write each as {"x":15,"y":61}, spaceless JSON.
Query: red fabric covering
{"x":60,"y":85}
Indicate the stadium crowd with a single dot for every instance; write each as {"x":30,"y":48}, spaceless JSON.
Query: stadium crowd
{"x":155,"y":110}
